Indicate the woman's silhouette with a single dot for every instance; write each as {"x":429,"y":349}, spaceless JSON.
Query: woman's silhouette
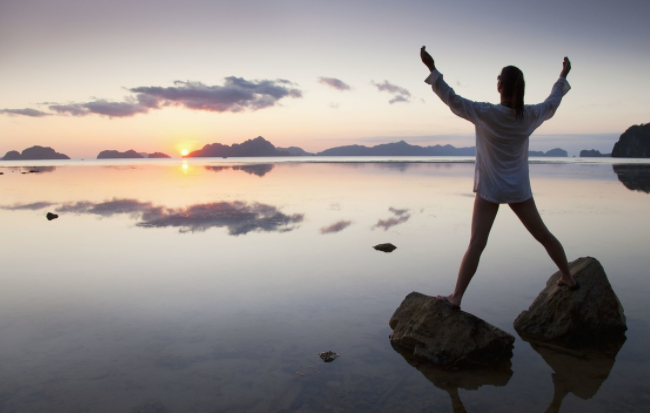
{"x":501,"y":175}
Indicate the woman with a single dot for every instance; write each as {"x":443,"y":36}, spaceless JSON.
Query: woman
{"x":501,"y":174}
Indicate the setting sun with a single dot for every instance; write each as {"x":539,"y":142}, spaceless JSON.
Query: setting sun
{"x":184,"y":152}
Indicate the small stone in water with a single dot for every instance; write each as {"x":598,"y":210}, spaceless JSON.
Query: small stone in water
{"x":328,"y":356}
{"x":388,"y":247}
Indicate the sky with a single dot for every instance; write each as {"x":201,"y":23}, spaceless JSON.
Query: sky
{"x":165,"y":75}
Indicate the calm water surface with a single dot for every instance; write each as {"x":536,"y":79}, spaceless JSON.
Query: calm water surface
{"x":211,"y":286}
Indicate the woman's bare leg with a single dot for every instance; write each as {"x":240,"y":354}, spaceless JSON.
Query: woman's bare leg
{"x":482,"y":219}
{"x":529,"y":216}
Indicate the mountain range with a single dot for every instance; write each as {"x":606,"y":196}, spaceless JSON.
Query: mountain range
{"x":633,"y":143}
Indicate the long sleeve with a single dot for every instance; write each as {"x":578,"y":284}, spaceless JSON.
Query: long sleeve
{"x":545,"y":110}
{"x":460,"y":106}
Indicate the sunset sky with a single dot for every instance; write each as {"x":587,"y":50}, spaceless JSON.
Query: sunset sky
{"x":163,"y":75}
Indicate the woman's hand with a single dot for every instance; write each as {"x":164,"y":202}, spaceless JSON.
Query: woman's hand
{"x":428,"y":60}
{"x":566,"y":67}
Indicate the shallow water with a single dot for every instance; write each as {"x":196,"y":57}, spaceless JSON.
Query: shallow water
{"x":210,"y":286}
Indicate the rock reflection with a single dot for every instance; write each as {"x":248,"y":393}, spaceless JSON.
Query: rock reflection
{"x":634,"y":177}
{"x":452,"y":380}
{"x":239,"y":217}
{"x":582,"y":371}
{"x":257,"y":169}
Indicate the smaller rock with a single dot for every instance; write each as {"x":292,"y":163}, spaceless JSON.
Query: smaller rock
{"x":328,"y":356}
{"x":33,"y":171}
{"x":427,"y":328}
{"x":50,"y":216}
{"x":388,"y":247}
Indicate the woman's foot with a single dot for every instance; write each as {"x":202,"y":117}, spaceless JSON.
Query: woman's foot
{"x":449,"y":301}
{"x":569,"y":282}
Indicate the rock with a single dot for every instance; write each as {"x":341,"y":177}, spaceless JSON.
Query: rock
{"x":569,"y":318}
{"x":633,"y":143}
{"x":429,"y":329}
{"x":388,"y":247}
{"x":50,"y":216}
{"x":328,"y":356}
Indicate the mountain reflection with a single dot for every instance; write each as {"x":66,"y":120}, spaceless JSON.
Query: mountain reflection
{"x":453,"y":380}
{"x":634,"y":177}
{"x":257,"y":169}
{"x":580,"y":372}
{"x":239,"y":217}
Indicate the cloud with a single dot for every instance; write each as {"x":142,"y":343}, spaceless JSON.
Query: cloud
{"x":399,"y":93}
{"x":237,"y":94}
{"x":398,"y":212}
{"x":239,"y":217}
{"x":398,"y":98}
{"x":334,"y":105}
{"x":401,"y":216}
{"x":130,"y":107}
{"x":335,"y":227}
{"x":35,"y":206}
{"x":334,"y":82}
{"x":24,"y":112}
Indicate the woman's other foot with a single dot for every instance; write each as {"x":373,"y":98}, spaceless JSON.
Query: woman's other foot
{"x":449,"y":301}
{"x":569,"y":282}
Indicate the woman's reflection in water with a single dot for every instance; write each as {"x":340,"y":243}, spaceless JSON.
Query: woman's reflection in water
{"x":452,"y":380}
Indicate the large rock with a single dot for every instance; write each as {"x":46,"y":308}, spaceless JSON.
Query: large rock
{"x":633,"y":143}
{"x":561,"y":316}
{"x":429,"y":329}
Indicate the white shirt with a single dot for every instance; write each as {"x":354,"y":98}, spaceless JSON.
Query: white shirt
{"x":501,"y":174}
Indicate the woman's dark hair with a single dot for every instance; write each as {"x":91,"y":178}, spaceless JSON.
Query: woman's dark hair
{"x":513,"y":85}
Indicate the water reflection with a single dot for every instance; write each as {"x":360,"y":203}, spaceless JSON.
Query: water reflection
{"x":239,"y":217}
{"x":581,"y":372}
{"x":335,"y":227}
{"x":34,"y":206}
{"x":634,"y":177}
{"x":401,"y":216}
{"x":257,"y":169}
{"x":452,"y":380}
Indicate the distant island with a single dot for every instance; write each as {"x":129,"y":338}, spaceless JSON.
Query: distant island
{"x":593,"y":153}
{"x":34,"y":153}
{"x":252,"y":147}
{"x":556,"y":153}
{"x":633,"y":143}
{"x":400,"y":148}
{"x":130,"y":154}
